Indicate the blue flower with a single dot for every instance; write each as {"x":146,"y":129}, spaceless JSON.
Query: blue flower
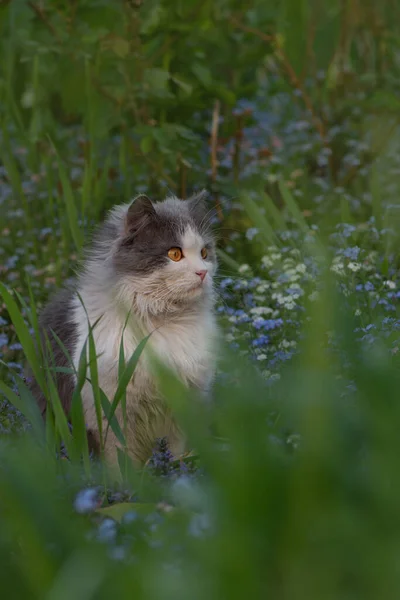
{"x":16,"y":346}
{"x":268,"y":324}
{"x":225,"y":282}
{"x":251,"y":233}
{"x":261,"y":340}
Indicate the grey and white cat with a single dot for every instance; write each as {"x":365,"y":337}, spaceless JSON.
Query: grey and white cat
{"x":153,"y":264}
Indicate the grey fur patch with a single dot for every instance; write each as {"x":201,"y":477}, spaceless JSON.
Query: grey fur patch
{"x":200,"y":212}
{"x":55,"y":317}
{"x":139,"y":213}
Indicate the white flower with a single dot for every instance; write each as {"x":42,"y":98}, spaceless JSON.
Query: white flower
{"x":287,"y":344}
{"x":290,"y":272}
{"x":338,"y":268}
{"x":261,"y":310}
{"x":244,"y":268}
{"x":353,"y":266}
{"x":290,"y":305}
{"x":301,"y":268}
{"x":278,"y":297}
{"x":357,"y":312}
{"x":262,"y":357}
{"x":263,"y":287}
{"x":267,"y":262}
{"x":390,"y":284}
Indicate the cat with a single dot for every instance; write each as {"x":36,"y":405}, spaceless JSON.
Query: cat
{"x":149,"y":270}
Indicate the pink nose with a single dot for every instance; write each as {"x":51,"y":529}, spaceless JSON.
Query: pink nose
{"x":202,"y":273}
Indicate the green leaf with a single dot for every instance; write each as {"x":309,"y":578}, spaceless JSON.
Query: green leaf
{"x":156,"y":82}
{"x":185,"y":87}
{"x":120,"y":47}
{"x":225,"y":95}
{"x":383,"y":100}
{"x":118,"y":511}
{"x":294,"y":26}
{"x":146,"y":144}
{"x":151,"y":20}
{"x":72,"y":87}
{"x":203,"y":74}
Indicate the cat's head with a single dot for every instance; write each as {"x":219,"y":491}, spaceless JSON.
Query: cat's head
{"x":166,"y":253}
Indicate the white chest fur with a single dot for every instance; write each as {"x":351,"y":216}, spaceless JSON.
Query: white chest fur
{"x":187,"y":345}
{"x":184,"y":343}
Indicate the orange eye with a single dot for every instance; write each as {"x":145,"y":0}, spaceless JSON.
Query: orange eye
{"x":175,"y":254}
{"x":204,"y":253}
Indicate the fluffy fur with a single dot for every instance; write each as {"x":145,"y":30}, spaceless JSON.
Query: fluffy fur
{"x":127,"y":275}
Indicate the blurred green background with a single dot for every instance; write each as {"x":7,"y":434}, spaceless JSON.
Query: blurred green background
{"x":288,"y":113}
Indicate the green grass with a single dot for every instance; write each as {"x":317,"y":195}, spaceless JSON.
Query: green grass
{"x":291,"y":489}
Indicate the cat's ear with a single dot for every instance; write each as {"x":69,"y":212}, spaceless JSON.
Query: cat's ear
{"x":139,"y":213}
{"x":198,"y":207}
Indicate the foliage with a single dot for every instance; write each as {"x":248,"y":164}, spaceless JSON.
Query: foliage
{"x":287,"y":112}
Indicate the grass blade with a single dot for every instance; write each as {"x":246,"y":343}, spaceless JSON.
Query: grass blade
{"x":127,"y":376}
{"x":292,"y":207}
{"x":24,"y":335}
{"x":77,"y":415}
{"x":26,"y":404}
{"x":69,"y":200}
{"x":260,"y":220}
{"x":112,"y":420}
{"x":228,"y":260}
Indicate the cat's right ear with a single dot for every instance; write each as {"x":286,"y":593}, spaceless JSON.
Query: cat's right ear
{"x":139,"y":214}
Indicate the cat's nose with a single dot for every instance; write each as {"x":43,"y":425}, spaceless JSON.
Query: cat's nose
{"x":202,"y":273}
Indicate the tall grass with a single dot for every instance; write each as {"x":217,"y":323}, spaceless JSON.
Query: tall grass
{"x":292,"y":487}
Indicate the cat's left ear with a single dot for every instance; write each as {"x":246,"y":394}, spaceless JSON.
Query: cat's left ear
{"x":139,"y":214}
{"x":198,"y":206}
